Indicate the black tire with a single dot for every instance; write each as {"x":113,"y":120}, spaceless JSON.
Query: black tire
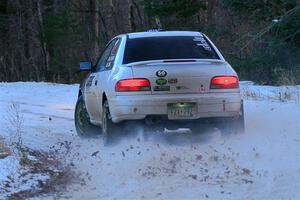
{"x":235,"y":124}
{"x":200,"y":126}
{"x":109,"y":129}
{"x":82,"y":121}
{"x":240,"y":122}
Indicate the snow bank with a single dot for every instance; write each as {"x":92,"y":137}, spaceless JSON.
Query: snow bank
{"x":263,"y":163}
{"x":250,"y":91}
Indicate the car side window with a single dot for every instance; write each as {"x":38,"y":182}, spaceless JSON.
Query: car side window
{"x":111,"y":59}
{"x":108,"y":56}
{"x":104,"y":57}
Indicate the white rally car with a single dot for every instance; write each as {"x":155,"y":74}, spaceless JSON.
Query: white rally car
{"x":176,"y":76}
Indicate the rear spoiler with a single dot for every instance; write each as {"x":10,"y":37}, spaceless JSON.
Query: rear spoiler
{"x":155,"y":62}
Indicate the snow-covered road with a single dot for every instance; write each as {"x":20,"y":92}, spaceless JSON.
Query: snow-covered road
{"x":263,"y":163}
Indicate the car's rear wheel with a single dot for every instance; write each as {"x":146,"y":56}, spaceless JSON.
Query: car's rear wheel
{"x":200,"y":126}
{"x":109,"y":129}
{"x":82,"y":120}
{"x":235,"y":124}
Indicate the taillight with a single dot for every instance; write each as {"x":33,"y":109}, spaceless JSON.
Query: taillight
{"x":224,"y":82}
{"x":133,"y":85}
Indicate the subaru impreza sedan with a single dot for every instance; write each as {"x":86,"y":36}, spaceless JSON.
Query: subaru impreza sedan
{"x":163,"y":76}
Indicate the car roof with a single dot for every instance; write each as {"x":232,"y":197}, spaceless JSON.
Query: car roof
{"x":163,"y":33}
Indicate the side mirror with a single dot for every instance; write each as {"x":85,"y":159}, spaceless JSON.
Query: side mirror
{"x":85,"y":66}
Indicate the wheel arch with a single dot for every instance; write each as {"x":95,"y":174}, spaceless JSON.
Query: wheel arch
{"x":104,"y":98}
{"x":79,"y":93}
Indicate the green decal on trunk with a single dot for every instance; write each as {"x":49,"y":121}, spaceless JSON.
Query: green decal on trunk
{"x":161,"y":81}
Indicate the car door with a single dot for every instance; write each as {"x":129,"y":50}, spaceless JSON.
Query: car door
{"x":94,"y":87}
{"x":91,"y":97}
{"x":105,"y":69}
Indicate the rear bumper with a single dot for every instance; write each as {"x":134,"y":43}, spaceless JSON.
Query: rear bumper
{"x":137,"y":107}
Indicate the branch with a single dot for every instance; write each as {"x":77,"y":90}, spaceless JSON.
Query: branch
{"x":268,"y":28}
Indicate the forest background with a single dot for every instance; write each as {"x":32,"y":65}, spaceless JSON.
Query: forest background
{"x":44,"y":40}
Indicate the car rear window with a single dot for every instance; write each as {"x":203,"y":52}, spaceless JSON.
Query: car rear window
{"x":170,"y":47}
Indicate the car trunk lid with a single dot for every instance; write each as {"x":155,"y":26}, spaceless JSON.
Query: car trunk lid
{"x":179,"y":76}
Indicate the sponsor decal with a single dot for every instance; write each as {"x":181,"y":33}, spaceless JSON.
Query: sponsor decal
{"x":182,"y":88}
{"x":161,"y":73}
{"x":161,"y":88}
{"x":90,"y":81}
{"x":111,"y":58}
{"x":161,"y":81}
{"x":108,"y":65}
{"x":172,"y":81}
{"x":201,"y":42}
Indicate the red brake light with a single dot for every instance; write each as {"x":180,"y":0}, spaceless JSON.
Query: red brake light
{"x":224,"y":82}
{"x":133,"y":85}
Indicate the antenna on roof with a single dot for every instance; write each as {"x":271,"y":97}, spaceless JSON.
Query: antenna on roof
{"x":159,"y":26}
{"x":158,"y":23}
{"x":156,"y":30}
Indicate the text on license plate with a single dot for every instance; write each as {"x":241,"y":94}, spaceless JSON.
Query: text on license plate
{"x":182,"y":110}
